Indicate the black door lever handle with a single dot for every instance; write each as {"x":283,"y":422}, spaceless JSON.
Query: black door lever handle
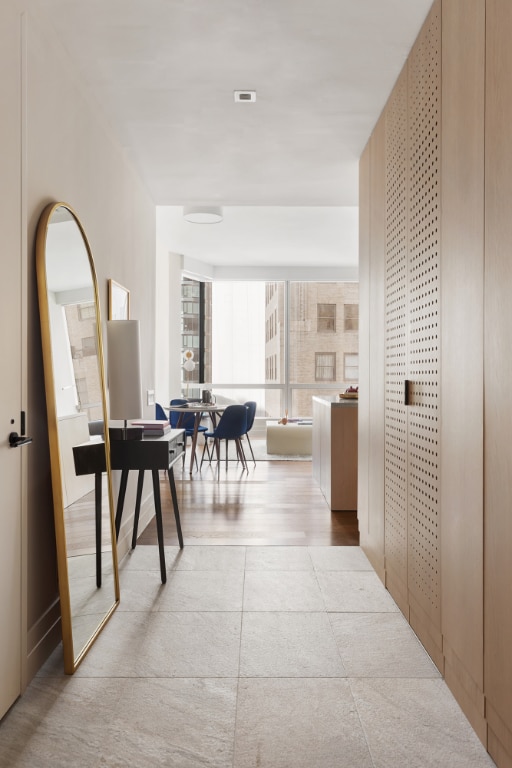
{"x":15,"y":440}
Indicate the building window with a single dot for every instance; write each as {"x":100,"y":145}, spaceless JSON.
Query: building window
{"x":326,"y":317}
{"x":350,"y":367}
{"x":351,"y":317}
{"x":89,"y":346}
{"x":87,"y":311}
{"x":325,"y":366}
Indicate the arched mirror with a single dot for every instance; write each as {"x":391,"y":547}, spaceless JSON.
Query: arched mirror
{"x":78,"y":430}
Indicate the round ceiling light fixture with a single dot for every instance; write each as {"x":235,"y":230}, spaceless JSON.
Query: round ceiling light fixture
{"x":203,"y":214}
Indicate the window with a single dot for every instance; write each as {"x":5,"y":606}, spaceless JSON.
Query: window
{"x":351,"y":367}
{"x":351,"y":317}
{"x":190,"y":289}
{"x":191,"y":325}
{"x":89,"y":346}
{"x":87,"y":311}
{"x":326,"y":317}
{"x":325,"y":366}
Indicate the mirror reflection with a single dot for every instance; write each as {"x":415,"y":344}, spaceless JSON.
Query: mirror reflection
{"x":75,"y":390}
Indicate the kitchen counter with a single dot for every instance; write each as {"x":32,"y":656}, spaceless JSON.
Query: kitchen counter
{"x":335,"y":450}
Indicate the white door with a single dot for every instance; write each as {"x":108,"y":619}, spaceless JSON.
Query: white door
{"x":11,"y":308}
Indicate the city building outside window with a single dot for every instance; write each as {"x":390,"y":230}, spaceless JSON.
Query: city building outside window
{"x":89,"y":345}
{"x":87,"y":311}
{"x":325,"y":366}
{"x":350,"y":367}
{"x":351,"y":316}
{"x":326,"y":317}
{"x":266,"y":340}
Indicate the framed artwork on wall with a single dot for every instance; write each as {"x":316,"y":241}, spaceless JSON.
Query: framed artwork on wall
{"x":118,"y":301}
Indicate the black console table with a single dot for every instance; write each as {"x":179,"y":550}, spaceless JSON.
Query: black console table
{"x":150,"y":453}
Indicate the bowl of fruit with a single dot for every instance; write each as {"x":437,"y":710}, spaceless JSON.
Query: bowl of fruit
{"x":351,"y":393}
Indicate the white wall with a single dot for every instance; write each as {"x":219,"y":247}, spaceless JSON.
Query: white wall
{"x":68,"y":155}
{"x":168,"y":328}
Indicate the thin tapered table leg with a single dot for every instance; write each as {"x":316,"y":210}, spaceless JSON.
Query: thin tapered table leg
{"x":194,"y":440}
{"x":120,"y":500}
{"x":97,"y":507}
{"x":140,"y":485}
{"x":159,"y":526}
{"x":174,"y":496}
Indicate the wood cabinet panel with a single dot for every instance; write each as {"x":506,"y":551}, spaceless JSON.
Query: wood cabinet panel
{"x":376,"y":346}
{"x":498,"y":364}
{"x":423,"y":337}
{"x":462,"y":276}
{"x":448,"y":463}
{"x":364,"y":347}
{"x":396,"y":341}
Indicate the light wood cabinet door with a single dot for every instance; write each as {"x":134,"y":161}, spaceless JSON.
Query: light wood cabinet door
{"x":498,"y":376}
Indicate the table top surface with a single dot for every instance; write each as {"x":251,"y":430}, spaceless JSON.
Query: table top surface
{"x":193,"y":407}
{"x":98,"y":439}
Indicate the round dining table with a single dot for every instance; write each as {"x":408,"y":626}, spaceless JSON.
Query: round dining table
{"x":198,"y":409}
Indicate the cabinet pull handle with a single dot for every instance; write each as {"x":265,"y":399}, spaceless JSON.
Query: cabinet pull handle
{"x":407,"y":392}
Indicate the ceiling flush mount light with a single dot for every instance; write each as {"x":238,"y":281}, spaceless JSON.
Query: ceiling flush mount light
{"x":203,"y":214}
{"x":244,"y":95}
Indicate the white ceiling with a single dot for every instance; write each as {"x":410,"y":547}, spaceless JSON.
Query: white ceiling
{"x":164,"y":73}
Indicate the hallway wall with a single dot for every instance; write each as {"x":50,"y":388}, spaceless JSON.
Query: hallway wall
{"x":67,"y":154}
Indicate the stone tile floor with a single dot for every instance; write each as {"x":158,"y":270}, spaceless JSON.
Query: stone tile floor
{"x":278,"y":657}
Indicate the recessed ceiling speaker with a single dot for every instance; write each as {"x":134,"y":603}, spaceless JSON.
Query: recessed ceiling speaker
{"x":203,"y":214}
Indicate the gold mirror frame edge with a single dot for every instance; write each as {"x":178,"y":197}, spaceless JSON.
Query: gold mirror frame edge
{"x":71,"y":663}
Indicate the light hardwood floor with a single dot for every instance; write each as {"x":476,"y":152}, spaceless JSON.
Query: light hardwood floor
{"x":274,"y":503}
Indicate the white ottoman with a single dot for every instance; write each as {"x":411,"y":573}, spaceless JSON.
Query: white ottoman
{"x":289,"y":439}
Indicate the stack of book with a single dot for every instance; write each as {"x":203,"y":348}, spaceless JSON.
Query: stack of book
{"x":153,"y":427}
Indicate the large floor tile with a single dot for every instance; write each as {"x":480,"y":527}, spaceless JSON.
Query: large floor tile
{"x":146,"y":558}
{"x":416,"y":724}
{"x":206,"y":558}
{"x":282,"y":591}
{"x":141,"y":590}
{"x":288,"y":645}
{"x":339,"y":559}
{"x":380,"y":645}
{"x":183,"y":591}
{"x":278,"y":559}
{"x":203,"y":591}
{"x":359,"y":591}
{"x":59,"y":723}
{"x":161,"y":644}
{"x":299,"y":723}
{"x":179,"y":723}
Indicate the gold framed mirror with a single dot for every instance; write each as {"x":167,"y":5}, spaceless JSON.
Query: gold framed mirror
{"x":77,"y":427}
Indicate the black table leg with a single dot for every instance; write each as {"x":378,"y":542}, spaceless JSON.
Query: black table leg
{"x":120,"y":500}
{"x":97,"y":504}
{"x":159,"y":526}
{"x":174,"y":495}
{"x":140,"y":484}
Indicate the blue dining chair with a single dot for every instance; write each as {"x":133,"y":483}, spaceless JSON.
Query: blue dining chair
{"x":251,"y":413}
{"x":160,"y":414}
{"x":232,"y":426}
{"x":187,"y":422}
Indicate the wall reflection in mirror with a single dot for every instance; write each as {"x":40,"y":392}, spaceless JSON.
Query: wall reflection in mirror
{"x":75,"y":395}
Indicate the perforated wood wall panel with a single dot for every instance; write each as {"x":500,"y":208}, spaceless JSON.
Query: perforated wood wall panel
{"x":396,"y":330}
{"x":424,"y":121}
